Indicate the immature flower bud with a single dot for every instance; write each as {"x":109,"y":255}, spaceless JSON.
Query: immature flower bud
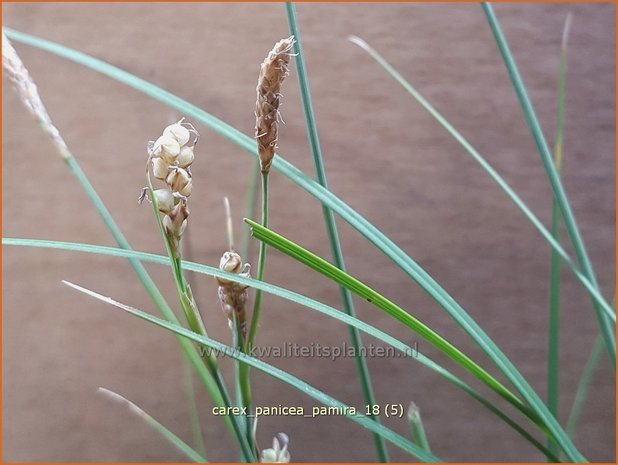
{"x":179,"y":181}
{"x":186,"y":156}
{"x":165,"y":200}
{"x":178,"y":132}
{"x":273,"y":71}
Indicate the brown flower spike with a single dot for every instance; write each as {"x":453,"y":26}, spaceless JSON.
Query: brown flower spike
{"x":273,"y":71}
{"x":233,"y":296}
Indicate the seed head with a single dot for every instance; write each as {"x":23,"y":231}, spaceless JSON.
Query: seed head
{"x":273,"y":71}
{"x":233,"y":296}
{"x":29,"y":95}
{"x":171,"y":157}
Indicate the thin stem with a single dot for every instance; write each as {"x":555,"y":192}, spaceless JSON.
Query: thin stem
{"x":244,"y":370}
{"x":251,"y":195}
{"x":607,"y":327}
{"x":195,"y":322}
{"x":331,"y":226}
{"x":257,"y":307}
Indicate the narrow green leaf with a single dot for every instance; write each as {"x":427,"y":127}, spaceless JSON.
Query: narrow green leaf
{"x":166,"y":433}
{"x":276,"y":373}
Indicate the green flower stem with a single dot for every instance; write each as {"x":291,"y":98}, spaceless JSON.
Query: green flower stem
{"x":196,"y":324}
{"x":331,"y":226}
{"x":151,"y":288}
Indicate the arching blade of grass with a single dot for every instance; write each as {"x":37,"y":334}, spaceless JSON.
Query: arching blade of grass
{"x":499,"y":180}
{"x":276,"y":373}
{"x":296,"y":298}
{"x":606,"y":324}
{"x":166,"y":433}
{"x":329,"y":219}
{"x":553,"y":350}
{"x":375,"y":236}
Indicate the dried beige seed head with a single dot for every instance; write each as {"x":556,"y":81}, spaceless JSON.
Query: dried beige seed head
{"x":29,"y":95}
{"x":171,"y":157}
{"x":273,"y":71}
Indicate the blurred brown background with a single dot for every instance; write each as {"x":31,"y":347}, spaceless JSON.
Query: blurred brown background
{"x":384,"y":156}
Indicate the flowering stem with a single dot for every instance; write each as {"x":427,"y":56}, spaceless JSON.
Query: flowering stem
{"x":244,"y":381}
{"x":196,"y":325}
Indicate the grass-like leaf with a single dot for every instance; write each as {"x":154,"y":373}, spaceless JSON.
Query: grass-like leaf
{"x":296,"y":298}
{"x":276,"y":373}
{"x":166,"y":433}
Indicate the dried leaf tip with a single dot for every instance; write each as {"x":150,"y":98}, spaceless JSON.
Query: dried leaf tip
{"x":273,"y":71}
{"x":29,"y":95}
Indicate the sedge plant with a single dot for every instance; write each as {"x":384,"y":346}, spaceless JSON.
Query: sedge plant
{"x":169,"y":160}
